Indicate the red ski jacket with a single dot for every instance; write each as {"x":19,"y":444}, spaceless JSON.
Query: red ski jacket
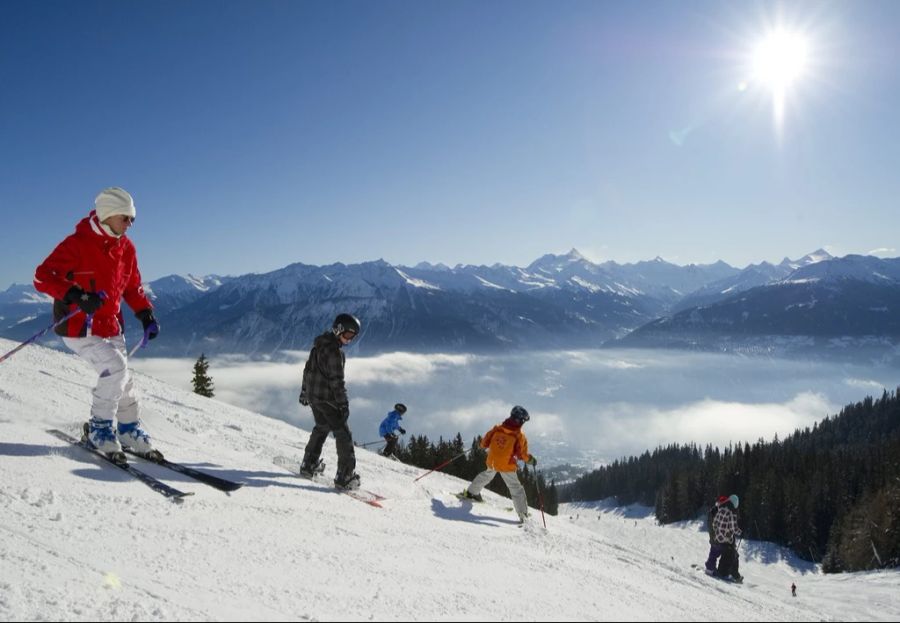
{"x":96,"y":261}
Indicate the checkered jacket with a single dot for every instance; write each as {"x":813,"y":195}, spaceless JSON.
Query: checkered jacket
{"x":323,"y":376}
{"x":725,"y":524}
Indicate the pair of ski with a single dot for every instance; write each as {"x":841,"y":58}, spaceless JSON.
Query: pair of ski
{"x":157,"y":485}
{"x":363,"y":495}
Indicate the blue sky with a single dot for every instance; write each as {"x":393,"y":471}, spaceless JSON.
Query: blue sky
{"x":257,"y":134}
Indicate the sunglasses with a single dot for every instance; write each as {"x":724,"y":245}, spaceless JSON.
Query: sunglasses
{"x":348,"y":335}
{"x":126,"y":218}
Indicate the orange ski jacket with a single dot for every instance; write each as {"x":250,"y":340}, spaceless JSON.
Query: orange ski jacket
{"x":505,"y":443}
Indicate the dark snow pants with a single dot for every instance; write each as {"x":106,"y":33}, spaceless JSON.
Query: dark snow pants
{"x":391,"y":445}
{"x":728,"y":564}
{"x":715,"y":550}
{"x":330,"y":419}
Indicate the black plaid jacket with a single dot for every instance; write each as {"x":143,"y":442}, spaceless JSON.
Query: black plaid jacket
{"x":323,"y":376}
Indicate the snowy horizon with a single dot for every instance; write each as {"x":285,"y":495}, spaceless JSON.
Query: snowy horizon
{"x":83,"y":541}
{"x":588,"y":407}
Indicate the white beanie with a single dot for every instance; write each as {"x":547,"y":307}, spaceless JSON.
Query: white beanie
{"x":112,"y":201}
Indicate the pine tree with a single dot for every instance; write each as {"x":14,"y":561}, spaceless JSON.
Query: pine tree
{"x":203,"y":383}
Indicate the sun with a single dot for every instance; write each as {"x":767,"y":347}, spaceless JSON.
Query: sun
{"x":780,"y":59}
{"x":778,"y":63}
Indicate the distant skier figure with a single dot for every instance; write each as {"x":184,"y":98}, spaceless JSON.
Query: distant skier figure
{"x":323,"y":390}
{"x":389,"y":427}
{"x":793,"y":589}
{"x":506,"y":443}
{"x":715,"y":548}
{"x":726,"y":528}
{"x":90,"y":272}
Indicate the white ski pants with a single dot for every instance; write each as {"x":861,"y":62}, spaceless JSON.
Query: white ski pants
{"x":114,"y":394}
{"x":516,"y":490}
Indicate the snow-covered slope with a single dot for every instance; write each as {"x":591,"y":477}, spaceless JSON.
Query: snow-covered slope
{"x":83,"y":541}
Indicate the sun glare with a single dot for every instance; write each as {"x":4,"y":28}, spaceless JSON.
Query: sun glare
{"x":780,"y":59}
{"x":779,"y":62}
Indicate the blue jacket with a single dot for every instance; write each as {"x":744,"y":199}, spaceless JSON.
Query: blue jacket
{"x":390,"y":424}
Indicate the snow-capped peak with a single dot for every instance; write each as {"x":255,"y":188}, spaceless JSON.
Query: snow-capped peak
{"x":552,"y":263}
{"x":575,"y":256}
{"x":819,"y":255}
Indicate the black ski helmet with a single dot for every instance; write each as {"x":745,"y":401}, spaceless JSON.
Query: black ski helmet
{"x":400,"y":408}
{"x":344,"y":323}
{"x":519,"y":414}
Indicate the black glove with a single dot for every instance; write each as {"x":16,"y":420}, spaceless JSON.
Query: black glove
{"x":88,"y":302}
{"x":532,"y":460}
{"x":345,"y":411}
{"x":151,"y":327}
{"x":303,"y":399}
{"x":402,"y":432}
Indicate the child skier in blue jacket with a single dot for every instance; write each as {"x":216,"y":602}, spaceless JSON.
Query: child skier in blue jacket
{"x":389,"y":426}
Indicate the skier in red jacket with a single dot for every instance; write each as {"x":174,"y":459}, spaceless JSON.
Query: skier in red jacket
{"x":90,"y":272}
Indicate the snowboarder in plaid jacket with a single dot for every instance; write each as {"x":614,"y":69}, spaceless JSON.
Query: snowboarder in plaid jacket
{"x":324,"y":391}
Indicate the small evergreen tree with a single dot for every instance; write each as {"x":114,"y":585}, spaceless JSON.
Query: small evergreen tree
{"x":203,"y":383}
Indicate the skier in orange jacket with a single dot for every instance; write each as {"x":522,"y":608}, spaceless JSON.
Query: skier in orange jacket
{"x":506,"y":443}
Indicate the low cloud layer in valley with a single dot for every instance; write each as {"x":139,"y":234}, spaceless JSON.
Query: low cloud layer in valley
{"x":587,"y":406}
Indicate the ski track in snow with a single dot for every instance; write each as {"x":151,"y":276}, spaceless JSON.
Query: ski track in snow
{"x":84,"y":541}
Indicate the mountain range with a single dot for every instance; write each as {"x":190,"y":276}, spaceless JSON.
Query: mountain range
{"x":557,"y":301}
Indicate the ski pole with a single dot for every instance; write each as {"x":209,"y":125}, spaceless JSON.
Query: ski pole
{"x":37,"y":335}
{"x":144,"y":341}
{"x":138,"y":346}
{"x":444,"y":464}
{"x":371,"y":443}
{"x":89,"y":321}
{"x":541,"y":500}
